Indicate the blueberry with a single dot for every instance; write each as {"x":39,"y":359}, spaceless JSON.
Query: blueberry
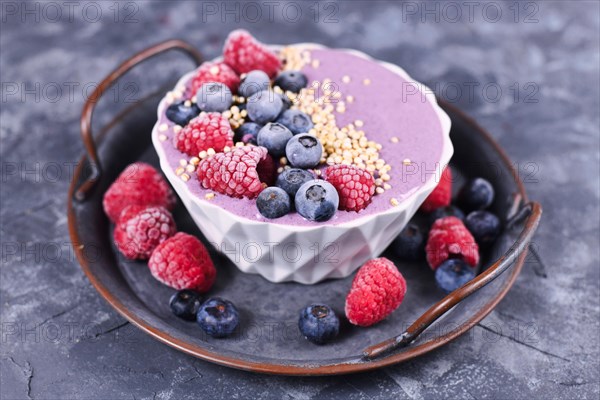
{"x":410,"y":244}
{"x":477,"y":194}
{"x":264,"y":106}
{"x":291,"y":80}
{"x":248,"y":138}
{"x":317,"y":200}
{"x":273,"y":202}
{"x":185,"y":304}
{"x":247,"y":133}
{"x":291,"y":179}
{"x":449,"y":211}
{"x":182,"y":114}
{"x":218,"y":317}
{"x":483,"y":225}
{"x":296,"y":121}
{"x":287,"y":103}
{"x":452,"y":274}
{"x":214,"y":96}
{"x":253,"y":82}
{"x":304,"y":151}
{"x":318,"y":323}
{"x":274,"y":137}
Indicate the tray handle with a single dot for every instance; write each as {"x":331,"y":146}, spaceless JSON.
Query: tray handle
{"x":533,"y":212}
{"x":88,"y":109}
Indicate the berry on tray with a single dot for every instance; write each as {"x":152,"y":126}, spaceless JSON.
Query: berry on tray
{"x":449,"y":238}
{"x":253,"y":82}
{"x":441,"y":195}
{"x":291,"y":80}
{"x":318,"y":323}
{"x":304,"y":151}
{"x":453,"y":273}
{"x":182,"y":262}
{"x":274,"y":137}
{"x":377,"y":290}
{"x":273,"y":202}
{"x":218,"y":317}
{"x":138,"y":184}
{"x":206,"y":131}
{"x":355,"y":186}
{"x":317,"y":200}
{"x":410,"y":243}
{"x":185,"y":304}
{"x":215,"y":72}
{"x":450,"y":211}
{"x":182,"y":113}
{"x":244,"y":53}
{"x":477,"y":194}
{"x":264,"y":106}
{"x":214,"y":97}
{"x":238,"y":173}
{"x":483,"y":225}
{"x":295,"y":120}
{"x":248,"y":132}
{"x":140,"y":229}
{"x":291,"y":179}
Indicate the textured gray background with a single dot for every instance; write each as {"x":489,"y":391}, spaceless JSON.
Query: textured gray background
{"x":61,"y":340}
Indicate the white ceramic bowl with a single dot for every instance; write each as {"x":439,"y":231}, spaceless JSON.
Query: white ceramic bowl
{"x":304,"y":254}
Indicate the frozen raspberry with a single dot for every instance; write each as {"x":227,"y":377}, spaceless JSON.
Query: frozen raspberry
{"x":355,"y":186}
{"x":449,"y":238}
{"x":441,"y":195}
{"x":267,"y":171}
{"x":237,"y":173}
{"x":138,"y":184}
{"x":377,"y":290}
{"x":244,"y":53}
{"x":182,"y":262}
{"x":207,"y":130}
{"x":140,"y":229}
{"x":215,"y":72}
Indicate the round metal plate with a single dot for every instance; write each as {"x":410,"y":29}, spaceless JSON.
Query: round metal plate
{"x":268,"y":340}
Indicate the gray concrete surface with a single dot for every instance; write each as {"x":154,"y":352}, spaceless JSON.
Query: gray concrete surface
{"x":61,"y":340}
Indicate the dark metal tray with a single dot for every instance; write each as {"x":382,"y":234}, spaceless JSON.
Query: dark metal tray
{"x":269,"y":340}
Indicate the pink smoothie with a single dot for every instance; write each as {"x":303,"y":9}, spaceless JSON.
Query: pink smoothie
{"x":389,"y":107}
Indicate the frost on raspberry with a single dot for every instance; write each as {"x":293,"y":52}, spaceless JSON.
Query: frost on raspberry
{"x":449,"y":238}
{"x":244,"y":53}
{"x":206,"y":131}
{"x":138,"y":184}
{"x":182,"y":262}
{"x":354,"y":185}
{"x":237,"y":173}
{"x":377,"y":290}
{"x":215,"y":72}
{"x":140,"y":229}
